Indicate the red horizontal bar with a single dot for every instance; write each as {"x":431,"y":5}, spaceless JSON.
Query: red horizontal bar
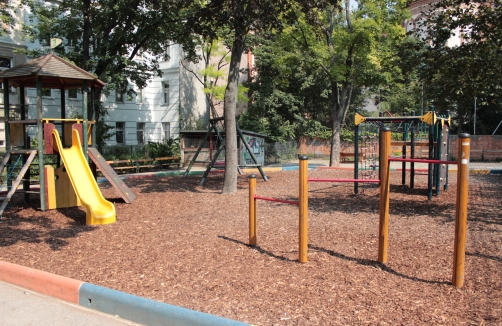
{"x":276,"y":200}
{"x":416,"y":160}
{"x":343,"y":180}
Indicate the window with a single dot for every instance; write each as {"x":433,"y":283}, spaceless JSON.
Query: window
{"x":4,"y":63}
{"x":166,"y":130}
{"x":70,"y":45}
{"x":139,"y":96}
{"x":46,"y":92}
{"x":12,"y":89}
{"x":165,"y":99}
{"x":72,"y":94}
{"x":141,"y":132}
{"x":119,"y":96}
{"x":119,"y":132}
{"x":167,"y":57}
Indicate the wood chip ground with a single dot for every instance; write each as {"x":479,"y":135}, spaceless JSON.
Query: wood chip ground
{"x":186,"y":245}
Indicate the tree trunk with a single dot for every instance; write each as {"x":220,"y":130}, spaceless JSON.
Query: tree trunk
{"x":86,"y":34}
{"x":230,"y":108}
{"x":334,"y":159}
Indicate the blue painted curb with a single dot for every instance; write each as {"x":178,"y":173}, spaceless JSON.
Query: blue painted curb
{"x":146,"y":311}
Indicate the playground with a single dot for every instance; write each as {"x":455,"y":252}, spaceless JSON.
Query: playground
{"x":187,"y":245}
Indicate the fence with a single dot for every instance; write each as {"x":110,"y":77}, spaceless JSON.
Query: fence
{"x":483,"y":147}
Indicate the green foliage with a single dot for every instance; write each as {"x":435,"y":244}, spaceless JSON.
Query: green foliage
{"x":347,"y":135}
{"x":313,"y":71}
{"x":6,"y":17}
{"x":314,"y":129}
{"x":103,"y":132}
{"x":167,"y":147}
{"x":121,"y":42}
{"x":118,"y":32}
{"x":456,"y":74}
{"x":118,"y":152}
{"x":193,"y":122}
{"x":241,"y":17}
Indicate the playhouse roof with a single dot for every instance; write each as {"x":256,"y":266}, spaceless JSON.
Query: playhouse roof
{"x":54,"y":71}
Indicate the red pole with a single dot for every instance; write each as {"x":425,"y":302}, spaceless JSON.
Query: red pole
{"x":461,"y":210}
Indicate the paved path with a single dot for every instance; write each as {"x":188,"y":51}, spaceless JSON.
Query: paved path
{"x":21,"y":307}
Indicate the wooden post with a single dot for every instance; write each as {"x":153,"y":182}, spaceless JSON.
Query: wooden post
{"x":62,"y":116}
{"x":26,"y":181}
{"x":85,"y":137}
{"x":303,"y":203}
{"x":93,"y":117}
{"x":461,"y":210}
{"x":40,"y":139}
{"x":6,"y":113}
{"x":383,"y":237}
{"x":252,"y":210}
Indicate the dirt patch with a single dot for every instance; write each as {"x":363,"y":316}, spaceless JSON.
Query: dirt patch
{"x":186,"y":245}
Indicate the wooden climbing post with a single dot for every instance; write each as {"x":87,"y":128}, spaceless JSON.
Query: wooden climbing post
{"x":461,"y":209}
{"x":383,"y":237}
{"x":304,"y":210}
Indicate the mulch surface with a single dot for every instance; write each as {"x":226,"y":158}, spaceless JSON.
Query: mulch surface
{"x":186,"y":245}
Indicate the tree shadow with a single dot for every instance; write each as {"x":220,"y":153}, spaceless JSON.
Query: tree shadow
{"x":480,"y":255}
{"x":360,"y":261}
{"x":16,"y":227}
{"x":257,"y":248}
{"x":191,"y":184}
{"x":376,"y":264}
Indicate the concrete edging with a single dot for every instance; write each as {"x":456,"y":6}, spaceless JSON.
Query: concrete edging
{"x":127,"y":306}
{"x":145,"y":311}
{"x":57,"y":286}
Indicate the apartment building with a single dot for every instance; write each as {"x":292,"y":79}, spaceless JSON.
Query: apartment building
{"x":168,"y":104}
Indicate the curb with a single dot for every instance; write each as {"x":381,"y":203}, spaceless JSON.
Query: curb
{"x":113,"y":302}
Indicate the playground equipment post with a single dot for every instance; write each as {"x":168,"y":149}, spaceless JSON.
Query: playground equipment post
{"x":383,"y":237}
{"x":461,"y":210}
{"x":304,"y":209}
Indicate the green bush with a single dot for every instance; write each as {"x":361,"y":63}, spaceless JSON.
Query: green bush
{"x":167,"y":147}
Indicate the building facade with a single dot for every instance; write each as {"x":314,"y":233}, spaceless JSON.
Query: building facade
{"x":168,"y":104}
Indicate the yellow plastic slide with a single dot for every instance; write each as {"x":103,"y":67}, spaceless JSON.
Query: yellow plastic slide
{"x":98,"y":209}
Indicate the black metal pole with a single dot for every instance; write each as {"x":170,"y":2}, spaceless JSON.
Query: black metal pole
{"x":431,"y":153}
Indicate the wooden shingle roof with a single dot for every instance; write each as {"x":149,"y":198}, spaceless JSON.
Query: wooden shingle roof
{"x":54,"y":72}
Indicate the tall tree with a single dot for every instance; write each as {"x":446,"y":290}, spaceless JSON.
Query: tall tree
{"x":6,"y":18}
{"x":353,"y":47}
{"x":358,"y":51}
{"x":242,"y":17}
{"x":289,"y":96}
{"x":455,"y":74}
{"x":120,"y":41}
